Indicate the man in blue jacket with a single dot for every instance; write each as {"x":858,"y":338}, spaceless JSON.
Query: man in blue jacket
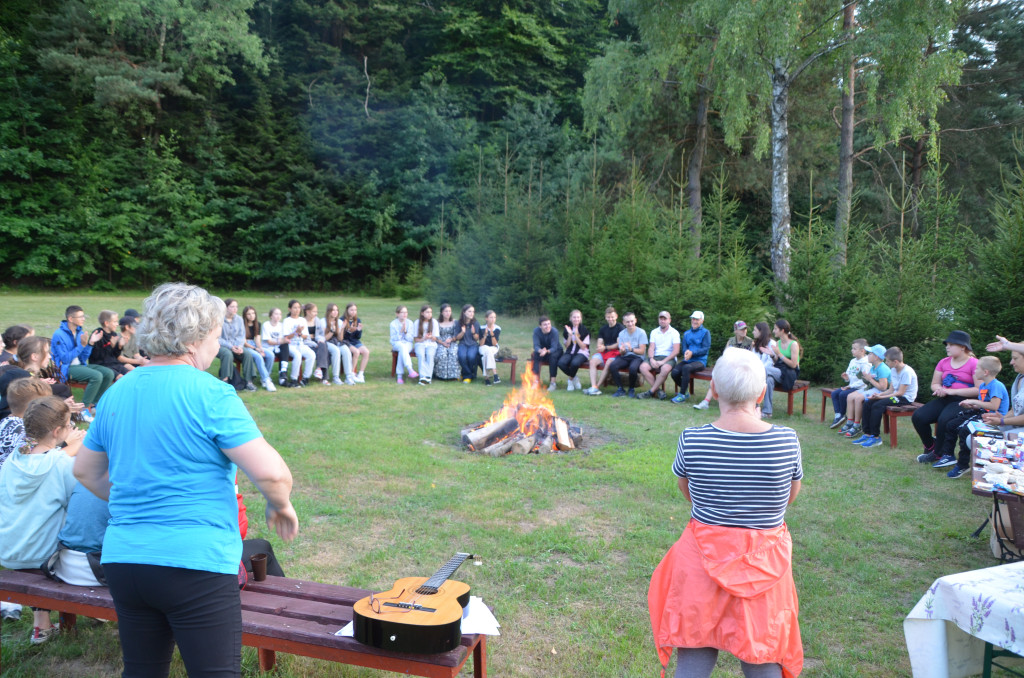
{"x":696,"y":345}
{"x":70,"y":348}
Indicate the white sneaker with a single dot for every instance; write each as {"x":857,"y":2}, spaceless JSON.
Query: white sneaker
{"x":360,"y":379}
{"x":269,"y":385}
{"x":337,"y":381}
{"x":552,"y":386}
{"x":351,"y":380}
{"x":10,"y":611}
{"x":702,"y":405}
{"x":319,"y":374}
{"x":577,"y":384}
{"x":571,"y":386}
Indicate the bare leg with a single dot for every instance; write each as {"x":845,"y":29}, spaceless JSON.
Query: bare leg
{"x":663,"y":373}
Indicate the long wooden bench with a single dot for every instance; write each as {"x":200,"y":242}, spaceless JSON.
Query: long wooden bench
{"x":799,"y":387}
{"x":278,"y":615}
{"x":892,"y":413}
{"x":511,"y":362}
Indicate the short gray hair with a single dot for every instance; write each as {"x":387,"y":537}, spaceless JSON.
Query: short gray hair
{"x":739,"y":376}
{"x":176,"y":315}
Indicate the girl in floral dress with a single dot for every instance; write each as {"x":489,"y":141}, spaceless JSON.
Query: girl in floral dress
{"x":446,"y":361}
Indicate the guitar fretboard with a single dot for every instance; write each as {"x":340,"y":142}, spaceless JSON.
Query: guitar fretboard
{"x":433,"y":584}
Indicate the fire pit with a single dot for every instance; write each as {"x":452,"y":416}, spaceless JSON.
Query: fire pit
{"x":526,"y":423}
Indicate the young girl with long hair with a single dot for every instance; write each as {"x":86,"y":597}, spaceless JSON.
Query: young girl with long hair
{"x":341,"y":356}
{"x":489,"y":348}
{"x":764,"y":347}
{"x":263,"y":358}
{"x":272,"y":338}
{"x":469,"y":343}
{"x":446,"y":361}
{"x":426,"y":343}
{"x":402,"y":339}
{"x":353,"y":338}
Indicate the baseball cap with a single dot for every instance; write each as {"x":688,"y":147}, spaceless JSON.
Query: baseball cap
{"x":878,"y":350}
{"x":699,"y":315}
{"x":126,"y":321}
{"x":664,"y":314}
{"x":739,"y":325}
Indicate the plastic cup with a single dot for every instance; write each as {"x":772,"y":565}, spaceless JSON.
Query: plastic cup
{"x":259,"y":566}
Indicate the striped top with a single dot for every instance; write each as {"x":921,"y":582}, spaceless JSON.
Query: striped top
{"x":739,"y":479}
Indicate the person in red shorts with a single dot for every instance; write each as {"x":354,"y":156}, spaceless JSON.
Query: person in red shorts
{"x":607,"y":348}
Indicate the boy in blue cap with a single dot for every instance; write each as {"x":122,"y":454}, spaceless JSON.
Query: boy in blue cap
{"x":876,"y":380}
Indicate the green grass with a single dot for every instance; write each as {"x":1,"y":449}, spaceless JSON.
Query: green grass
{"x":566,"y":543}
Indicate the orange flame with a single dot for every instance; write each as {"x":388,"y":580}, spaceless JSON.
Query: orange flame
{"x":529,"y":404}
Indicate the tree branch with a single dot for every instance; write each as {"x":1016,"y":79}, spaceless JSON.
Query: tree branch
{"x":366,"y":103}
{"x":820,"y":53}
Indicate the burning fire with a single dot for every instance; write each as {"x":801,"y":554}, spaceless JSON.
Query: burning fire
{"x":529,"y":404}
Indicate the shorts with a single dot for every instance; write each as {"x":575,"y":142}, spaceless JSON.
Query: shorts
{"x":870,"y":392}
{"x":354,"y":344}
{"x":606,"y":356}
{"x":671,"y":363}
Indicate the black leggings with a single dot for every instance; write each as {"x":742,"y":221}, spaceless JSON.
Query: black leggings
{"x":570,"y":363}
{"x":937,"y":411}
{"x":681,"y":373}
{"x":551,"y":359}
{"x":625,"y":360}
{"x":874,"y":410}
{"x":159,"y":606}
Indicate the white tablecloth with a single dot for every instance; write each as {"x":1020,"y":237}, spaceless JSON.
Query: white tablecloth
{"x":947,"y":629}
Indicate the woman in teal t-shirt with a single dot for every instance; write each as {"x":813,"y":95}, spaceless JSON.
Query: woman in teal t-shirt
{"x":163,"y":451}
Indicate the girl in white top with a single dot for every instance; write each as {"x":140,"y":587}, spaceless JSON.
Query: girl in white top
{"x":402,"y":341}
{"x":254,"y":343}
{"x":272,"y":338}
{"x":426,"y":343}
{"x":331,"y":329}
{"x":352,"y":336}
{"x":489,"y":348}
{"x":295,"y":333}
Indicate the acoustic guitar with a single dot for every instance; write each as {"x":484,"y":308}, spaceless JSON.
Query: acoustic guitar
{"x":419,"y":614}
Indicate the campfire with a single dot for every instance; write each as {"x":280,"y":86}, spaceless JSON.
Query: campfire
{"x":526,"y":423}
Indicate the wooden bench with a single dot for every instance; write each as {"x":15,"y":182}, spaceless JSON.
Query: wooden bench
{"x":278,"y":615}
{"x":892,"y":414}
{"x":511,"y":362}
{"x":798,"y":387}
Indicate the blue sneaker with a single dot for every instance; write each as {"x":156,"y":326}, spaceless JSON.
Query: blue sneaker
{"x":944,"y":461}
{"x":862,"y":438}
{"x":681,"y":398}
{"x":619,"y":393}
{"x":957,"y":472}
{"x":632,"y":393}
{"x":872,"y":441}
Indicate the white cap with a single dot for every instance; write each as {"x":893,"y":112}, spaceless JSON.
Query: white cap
{"x":699,"y":315}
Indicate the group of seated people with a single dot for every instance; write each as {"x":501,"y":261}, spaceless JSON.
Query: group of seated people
{"x":656,"y":356}
{"x":445,"y":348}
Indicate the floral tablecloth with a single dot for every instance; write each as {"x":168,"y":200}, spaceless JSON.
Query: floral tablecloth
{"x":947,"y":629}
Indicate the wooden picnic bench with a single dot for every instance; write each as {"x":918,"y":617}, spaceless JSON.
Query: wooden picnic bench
{"x":508,"y":361}
{"x":798,"y":387}
{"x":892,"y":413}
{"x":278,"y":615}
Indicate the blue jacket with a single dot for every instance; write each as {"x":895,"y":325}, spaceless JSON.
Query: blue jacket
{"x":699,"y":342}
{"x":65,"y":347}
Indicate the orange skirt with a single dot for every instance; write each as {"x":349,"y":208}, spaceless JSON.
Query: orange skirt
{"x":732,"y":589}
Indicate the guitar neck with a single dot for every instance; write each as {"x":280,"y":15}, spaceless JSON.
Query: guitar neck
{"x":433,"y":584}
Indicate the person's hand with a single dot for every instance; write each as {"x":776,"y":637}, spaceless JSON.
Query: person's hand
{"x":95,"y":336}
{"x":50,"y":380}
{"x":237,"y":350}
{"x":77,"y":435}
{"x":283,"y":521}
{"x":970,"y":404}
{"x":939,"y":392}
{"x":999,"y":345}
{"x":73,"y":406}
{"x":687,"y":355}
{"x":992,"y":418}
{"x":845,"y":376}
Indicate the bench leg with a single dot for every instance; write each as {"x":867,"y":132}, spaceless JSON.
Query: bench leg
{"x":67,"y":621}
{"x":823,"y":399}
{"x":892,"y":430}
{"x":803,"y":395}
{"x":480,"y":658}
{"x":512,"y":372}
{"x":789,"y":404}
{"x":268,"y":659}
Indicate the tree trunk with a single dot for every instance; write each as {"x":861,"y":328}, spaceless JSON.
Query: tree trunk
{"x":917,"y":162}
{"x":845,"y":198}
{"x":780,"y":250}
{"x":693,"y":170}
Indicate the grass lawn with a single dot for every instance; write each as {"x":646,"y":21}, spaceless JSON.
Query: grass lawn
{"x":566,"y":542}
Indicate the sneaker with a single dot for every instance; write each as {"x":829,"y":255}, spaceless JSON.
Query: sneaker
{"x":679,"y":398}
{"x":325,"y":382}
{"x":854,"y":430}
{"x":487,"y":382}
{"x":927,"y":457}
{"x":249,"y":386}
{"x":552,"y":386}
{"x":423,"y":382}
{"x":619,"y":393}
{"x":497,"y":380}
{"x":467,"y":381}
{"x":632,"y":393}
{"x":40,"y":636}
{"x":319,"y":373}
{"x":577,"y":384}
{"x":400,"y":380}
{"x":872,"y":441}
{"x":957,"y":472}
{"x":571,"y":386}
{"x":86,"y":416}
{"x":337,"y":381}
{"x":593,"y":391}
{"x":838,"y":421}
{"x":269,"y":385}
{"x":861,"y":439}
{"x":846,"y":427}
{"x":662,"y":395}
{"x":281,"y":381}
{"x":10,"y":611}
{"x":944,"y":461}
{"x":644,"y":395}
{"x":350,"y":380}
{"x":702,"y":405}
{"x":360,"y":379}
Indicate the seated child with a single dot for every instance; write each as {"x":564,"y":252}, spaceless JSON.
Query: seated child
{"x":902,"y":390}
{"x":20,"y":393}
{"x":489,"y":348}
{"x":130,"y":356}
{"x":858,"y":363}
{"x":992,"y":397}
{"x":107,"y":350}
{"x":35,"y":485}
{"x":876,"y":380}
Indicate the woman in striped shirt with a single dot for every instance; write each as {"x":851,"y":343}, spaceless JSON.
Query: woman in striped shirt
{"x":727,"y":584}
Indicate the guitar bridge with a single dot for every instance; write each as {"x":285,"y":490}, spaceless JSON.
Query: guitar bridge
{"x":411,"y":606}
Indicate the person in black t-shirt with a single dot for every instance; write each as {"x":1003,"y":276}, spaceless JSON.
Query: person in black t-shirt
{"x":108,"y":348}
{"x":606,"y":350}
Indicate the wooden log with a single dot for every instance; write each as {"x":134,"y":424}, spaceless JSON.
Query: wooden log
{"x":501,"y":447}
{"x":544,"y":444}
{"x":562,"y":439}
{"x":576,"y":433}
{"x":464,"y":432}
{"x":484,"y":436}
{"x":524,"y":444}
